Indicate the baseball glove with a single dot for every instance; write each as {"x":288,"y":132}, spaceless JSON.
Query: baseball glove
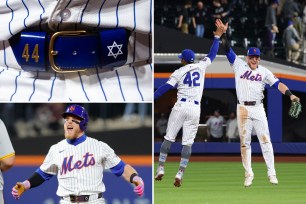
{"x":295,"y":109}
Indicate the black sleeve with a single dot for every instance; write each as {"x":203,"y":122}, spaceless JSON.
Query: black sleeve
{"x":36,"y":180}
{"x":225,"y":44}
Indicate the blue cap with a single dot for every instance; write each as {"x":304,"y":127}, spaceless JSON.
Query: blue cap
{"x":275,"y":1}
{"x":253,"y":51}
{"x":289,"y":23}
{"x":187,"y":55}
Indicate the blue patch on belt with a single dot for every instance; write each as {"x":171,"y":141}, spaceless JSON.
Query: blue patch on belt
{"x":71,"y":51}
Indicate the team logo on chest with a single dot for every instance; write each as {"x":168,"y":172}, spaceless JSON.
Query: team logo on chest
{"x":70,"y":165}
{"x":248,"y":76}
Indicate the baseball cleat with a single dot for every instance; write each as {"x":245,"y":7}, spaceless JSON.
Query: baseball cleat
{"x":159,"y":173}
{"x":248,"y":181}
{"x":178,"y":178}
{"x":273,"y":180}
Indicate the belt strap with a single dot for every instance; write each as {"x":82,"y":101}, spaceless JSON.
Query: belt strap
{"x":70,"y":51}
{"x":184,"y":100}
{"x":249,"y":103}
{"x":81,"y":198}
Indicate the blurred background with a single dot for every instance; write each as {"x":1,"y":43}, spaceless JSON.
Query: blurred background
{"x":35,"y":127}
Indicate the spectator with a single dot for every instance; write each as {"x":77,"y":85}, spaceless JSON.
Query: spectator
{"x":297,"y":24}
{"x":220,"y":10}
{"x":161,"y":124}
{"x":215,"y":127}
{"x":291,"y":40}
{"x":271,"y":26}
{"x":186,"y":17}
{"x":232,"y":128}
{"x":289,"y":8}
{"x":199,"y":17}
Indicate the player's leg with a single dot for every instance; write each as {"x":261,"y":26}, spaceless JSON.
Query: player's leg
{"x":262,"y":130}
{"x":190,"y":128}
{"x":175,"y":123}
{"x":245,"y":128}
{"x":1,"y":197}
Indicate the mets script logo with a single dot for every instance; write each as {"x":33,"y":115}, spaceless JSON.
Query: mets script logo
{"x":69,"y":165}
{"x":248,"y":75}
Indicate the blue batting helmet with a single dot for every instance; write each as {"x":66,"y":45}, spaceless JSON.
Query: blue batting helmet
{"x":80,"y":112}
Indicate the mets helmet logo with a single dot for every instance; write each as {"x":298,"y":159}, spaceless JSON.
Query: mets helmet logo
{"x":71,"y":108}
{"x":254,"y":50}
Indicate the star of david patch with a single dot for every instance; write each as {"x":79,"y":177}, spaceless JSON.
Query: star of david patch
{"x":117,"y":48}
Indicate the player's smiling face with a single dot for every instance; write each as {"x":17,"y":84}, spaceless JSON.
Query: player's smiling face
{"x":253,"y":61}
{"x":72,"y":127}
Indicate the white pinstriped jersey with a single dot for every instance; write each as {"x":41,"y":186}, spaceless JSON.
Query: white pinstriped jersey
{"x":216,"y":126}
{"x":190,"y":80}
{"x":250,"y":84}
{"x":126,"y":83}
{"x":6,"y":148}
{"x":79,"y":168}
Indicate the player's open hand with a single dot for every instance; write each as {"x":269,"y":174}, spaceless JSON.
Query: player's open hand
{"x":20,"y":188}
{"x":139,"y":185}
{"x":221,"y":28}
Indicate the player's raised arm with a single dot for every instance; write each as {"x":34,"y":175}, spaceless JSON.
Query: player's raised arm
{"x":230,"y":54}
{"x":221,"y":28}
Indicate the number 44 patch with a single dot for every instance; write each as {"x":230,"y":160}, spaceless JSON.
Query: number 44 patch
{"x":25,"y":53}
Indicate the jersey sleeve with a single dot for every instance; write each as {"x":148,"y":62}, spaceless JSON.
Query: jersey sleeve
{"x":270,"y":78}
{"x":49,"y":166}
{"x":174,"y":78}
{"x":110,"y":159}
{"x":205,"y":62}
{"x":6,"y":147}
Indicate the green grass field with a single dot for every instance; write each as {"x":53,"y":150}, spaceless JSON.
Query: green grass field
{"x":222,"y":183}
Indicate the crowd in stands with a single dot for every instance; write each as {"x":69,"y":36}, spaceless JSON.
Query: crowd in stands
{"x":277,"y":27}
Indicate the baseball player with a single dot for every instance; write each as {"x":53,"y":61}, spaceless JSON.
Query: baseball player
{"x":79,"y":162}
{"x":250,"y":79}
{"x":7,"y":156}
{"x":186,"y":111}
{"x":105,"y":56}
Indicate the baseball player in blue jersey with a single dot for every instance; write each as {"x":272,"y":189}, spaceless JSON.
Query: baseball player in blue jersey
{"x":7,"y":156}
{"x":59,"y":50}
{"x":250,"y":79}
{"x":79,"y":162}
{"x":186,"y":111}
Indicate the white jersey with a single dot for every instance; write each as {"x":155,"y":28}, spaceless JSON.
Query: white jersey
{"x":250,"y":84}
{"x":190,"y":80}
{"x":130,"y":82}
{"x":6,"y":148}
{"x":215,"y":124}
{"x":79,"y":168}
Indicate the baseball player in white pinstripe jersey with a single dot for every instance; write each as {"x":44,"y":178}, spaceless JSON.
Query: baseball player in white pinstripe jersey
{"x":79,"y":162}
{"x":250,"y":79}
{"x":7,"y":156}
{"x":186,"y":111}
{"x":110,"y":62}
